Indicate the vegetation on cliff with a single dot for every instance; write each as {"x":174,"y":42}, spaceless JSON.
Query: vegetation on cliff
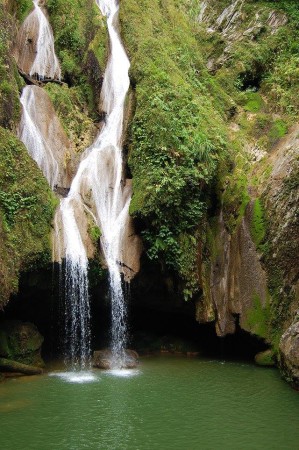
{"x":213,"y":96}
{"x":177,"y":135}
{"x":10,"y":80}
{"x":26,"y":202}
{"x":81,"y":46}
{"x":252,"y":52}
{"x":26,"y":210}
{"x":198,"y":131}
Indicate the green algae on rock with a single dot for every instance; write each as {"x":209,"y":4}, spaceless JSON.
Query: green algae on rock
{"x":26,"y":211}
{"x":21,"y":342}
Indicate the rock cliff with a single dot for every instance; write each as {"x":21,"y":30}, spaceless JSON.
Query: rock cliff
{"x":211,"y":146}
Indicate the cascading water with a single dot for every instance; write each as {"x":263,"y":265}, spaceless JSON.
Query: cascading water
{"x":77,"y":314}
{"x":99,"y":177}
{"x":99,"y":181}
{"x":45,"y":63}
{"x":77,"y":309}
{"x":31,"y":135}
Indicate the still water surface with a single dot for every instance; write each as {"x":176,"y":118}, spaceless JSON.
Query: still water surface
{"x":169,"y":403}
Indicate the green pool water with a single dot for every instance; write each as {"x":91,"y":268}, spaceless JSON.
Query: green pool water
{"x":168,"y":403}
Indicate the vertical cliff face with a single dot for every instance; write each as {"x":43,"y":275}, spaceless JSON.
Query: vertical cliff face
{"x":238,"y":254}
{"x":236,"y":280}
{"x":281,"y":197}
{"x":250,"y":273}
{"x":26,"y":202}
{"x":212,"y":147}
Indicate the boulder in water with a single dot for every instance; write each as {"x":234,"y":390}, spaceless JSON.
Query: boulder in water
{"x":104,"y":359}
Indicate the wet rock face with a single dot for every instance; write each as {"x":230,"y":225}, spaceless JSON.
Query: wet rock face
{"x":34,"y":50}
{"x":25,"y":49}
{"x":237,"y":278}
{"x":21,"y":341}
{"x":42,"y":112}
{"x":289,"y":353}
{"x":103,"y":359}
{"x":132,"y":245}
{"x":281,"y":196}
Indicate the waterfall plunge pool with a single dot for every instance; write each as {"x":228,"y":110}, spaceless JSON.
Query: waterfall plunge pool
{"x":168,"y":403}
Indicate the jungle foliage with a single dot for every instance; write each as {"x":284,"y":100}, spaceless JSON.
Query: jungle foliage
{"x":177,"y":135}
{"x":26,"y":210}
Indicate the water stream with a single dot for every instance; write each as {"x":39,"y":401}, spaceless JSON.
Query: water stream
{"x":100,"y":180}
{"x":32,"y":131}
{"x":32,"y":136}
{"x":46,"y":63}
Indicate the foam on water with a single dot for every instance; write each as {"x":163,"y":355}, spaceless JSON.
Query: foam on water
{"x":123,"y":373}
{"x":76,"y":377}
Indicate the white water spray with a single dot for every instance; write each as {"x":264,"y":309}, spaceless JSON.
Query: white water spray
{"x":77,"y":313}
{"x":77,"y":309}
{"x":32,"y":136}
{"x":46,"y":63}
{"x":100,"y":176}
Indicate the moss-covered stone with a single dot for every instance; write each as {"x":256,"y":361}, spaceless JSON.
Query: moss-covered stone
{"x":258,"y":318}
{"x":258,"y":229}
{"x":289,"y":353}
{"x":81,"y":42}
{"x":26,"y":210}
{"x":265,"y":358}
{"x":177,"y":134}
{"x":71,"y":108}
{"x":9,"y":78}
{"x":21,"y":342}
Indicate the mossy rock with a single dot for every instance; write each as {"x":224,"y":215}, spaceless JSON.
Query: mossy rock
{"x":21,"y":341}
{"x":253,"y":102}
{"x":26,"y":210}
{"x":9,"y":78}
{"x":177,"y":134}
{"x":265,"y":358}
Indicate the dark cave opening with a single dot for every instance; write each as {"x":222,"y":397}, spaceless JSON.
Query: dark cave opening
{"x":158,"y":320}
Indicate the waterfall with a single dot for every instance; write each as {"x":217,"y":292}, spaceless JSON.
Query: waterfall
{"x":31,"y":135}
{"x":113,"y":207}
{"x":45,"y":62}
{"x":98,"y":188}
{"x":77,"y":309}
{"x":100,"y":178}
{"x":41,"y":135}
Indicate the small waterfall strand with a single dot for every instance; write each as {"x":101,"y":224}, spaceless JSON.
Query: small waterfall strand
{"x":46,"y":63}
{"x":32,"y":137}
{"x":77,"y":316}
{"x":76,"y":296}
